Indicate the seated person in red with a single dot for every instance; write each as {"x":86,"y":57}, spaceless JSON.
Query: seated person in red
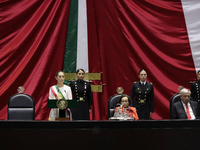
{"x":185,"y":109}
{"x":125,"y":101}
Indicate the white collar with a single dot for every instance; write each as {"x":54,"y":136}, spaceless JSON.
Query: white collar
{"x":143,"y":82}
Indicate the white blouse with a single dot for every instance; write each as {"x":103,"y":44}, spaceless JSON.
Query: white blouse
{"x":66,"y":92}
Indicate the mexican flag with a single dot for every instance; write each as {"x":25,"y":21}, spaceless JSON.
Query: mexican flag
{"x":76,"y":52}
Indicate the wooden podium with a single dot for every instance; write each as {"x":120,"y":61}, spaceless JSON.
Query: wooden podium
{"x":52,"y":103}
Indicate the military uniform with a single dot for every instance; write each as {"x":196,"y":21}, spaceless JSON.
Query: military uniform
{"x":81,"y":91}
{"x":195,"y":91}
{"x":143,"y":99}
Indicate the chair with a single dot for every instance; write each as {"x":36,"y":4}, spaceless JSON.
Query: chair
{"x":112,"y":102}
{"x":175,"y":98}
{"x":21,"y":107}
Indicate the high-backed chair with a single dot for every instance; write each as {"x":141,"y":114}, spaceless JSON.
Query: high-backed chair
{"x":112,"y":103}
{"x":21,"y":107}
{"x":175,"y":98}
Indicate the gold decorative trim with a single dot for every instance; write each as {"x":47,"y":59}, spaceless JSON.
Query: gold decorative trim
{"x":70,"y":76}
{"x":88,"y":76}
{"x":96,"y":88}
{"x":92,"y":76}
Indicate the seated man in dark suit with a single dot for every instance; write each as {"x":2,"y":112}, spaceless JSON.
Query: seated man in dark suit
{"x":185,"y":109}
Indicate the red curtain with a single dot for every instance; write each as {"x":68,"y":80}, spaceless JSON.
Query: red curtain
{"x":33,"y":36}
{"x":124,"y":37}
{"x":134,"y":35}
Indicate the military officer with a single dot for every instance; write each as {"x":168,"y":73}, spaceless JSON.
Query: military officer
{"x":142,"y":94}
{"x":81,"y":90}
{"x":195,"y":89}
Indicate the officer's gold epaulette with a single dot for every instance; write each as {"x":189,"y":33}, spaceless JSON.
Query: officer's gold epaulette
{"x":151,"y":83}
{"x":135,"y":82}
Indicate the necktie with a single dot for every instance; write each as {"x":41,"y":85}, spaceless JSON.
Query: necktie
{"x":187,"y":110}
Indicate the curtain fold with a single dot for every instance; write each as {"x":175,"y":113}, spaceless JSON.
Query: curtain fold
{"x":123,"y":37}
{"x":150,"y":35}
{"x":33,"y":36}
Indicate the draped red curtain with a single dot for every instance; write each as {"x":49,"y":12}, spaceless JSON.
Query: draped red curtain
{"x":33,"y":36}
{"x":123,"y":37}
{"x":134,"y":35}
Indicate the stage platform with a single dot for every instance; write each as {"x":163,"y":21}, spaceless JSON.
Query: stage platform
{"x":98,"y":135}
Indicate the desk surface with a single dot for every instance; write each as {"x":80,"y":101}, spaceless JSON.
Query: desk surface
{"x":143,"y":124}
{"x":98,"y":135}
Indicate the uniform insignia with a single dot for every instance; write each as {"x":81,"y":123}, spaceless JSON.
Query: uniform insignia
{"x":76,"y":91}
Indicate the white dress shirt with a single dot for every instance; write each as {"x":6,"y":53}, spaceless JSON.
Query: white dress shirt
{"x":143,"y":82}
{"x":190,"y":110}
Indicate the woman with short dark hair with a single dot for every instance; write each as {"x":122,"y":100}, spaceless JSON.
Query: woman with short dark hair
{"x":125,"y":102}
{"x":81,"y":90}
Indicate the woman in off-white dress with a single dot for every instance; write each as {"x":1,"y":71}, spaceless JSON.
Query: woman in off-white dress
{"x":54,"y":94}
